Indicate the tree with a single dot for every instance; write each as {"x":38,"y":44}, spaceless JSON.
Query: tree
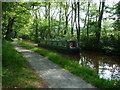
{"x":117,"y":12}
{"x":98,"y":32}
{"x":72,"y":23}
{"x":49,"y":19}
{"x":11,"y":16}
{"x":88,"y":20}
{"x":66,"y":18}
{"x":9,"y":29}
{"x":78,"y":30}
{"x":59,"y":25}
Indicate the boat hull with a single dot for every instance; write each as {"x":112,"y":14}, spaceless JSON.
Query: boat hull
{"x":61,"y":49}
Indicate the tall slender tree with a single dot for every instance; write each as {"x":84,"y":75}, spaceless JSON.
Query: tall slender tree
{"x":36,"y":27}
{"x":88,"y":19}
{"x":78,"y":30}
{"x":72,"y":23}
{"x":59,"y":25}
{"x":49,"y":20}
{"x":66,"y":18}
{"x":98,"y":32}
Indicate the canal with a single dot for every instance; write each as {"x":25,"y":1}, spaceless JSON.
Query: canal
{"x":107,"y":66}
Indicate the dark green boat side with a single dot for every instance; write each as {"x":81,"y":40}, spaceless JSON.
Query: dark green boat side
{"x":63,"y":46}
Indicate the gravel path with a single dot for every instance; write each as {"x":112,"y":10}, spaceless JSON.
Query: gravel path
{"x":53,"y":75}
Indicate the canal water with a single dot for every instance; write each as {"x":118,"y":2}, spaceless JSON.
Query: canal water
{"x":107,"y":66}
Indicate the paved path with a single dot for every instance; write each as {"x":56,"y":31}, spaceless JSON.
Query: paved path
{"x":51,"y":73}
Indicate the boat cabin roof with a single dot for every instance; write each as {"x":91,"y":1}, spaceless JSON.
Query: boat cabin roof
{"x":59,"y":40}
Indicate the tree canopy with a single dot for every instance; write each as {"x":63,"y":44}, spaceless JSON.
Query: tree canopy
{"x":91,"y":24}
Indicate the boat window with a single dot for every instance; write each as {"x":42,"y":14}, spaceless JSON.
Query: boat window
{"x":64,"y":44}
{"x":48,"y":43}
{"x":43,"y":42}
{"x":54,"y":43}
{"x":57,"y":43}
{"x":51,"y":43}
{"x":60,"y":43}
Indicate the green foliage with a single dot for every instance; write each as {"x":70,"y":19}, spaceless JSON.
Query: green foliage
{"x":89,"y":43}
{"x":17,"y":10}
{"x":33,"y":16}
{"x":108,"y":43}
{"x":16,"y":72}
{"x":116,"y":24}
{"x":75,"y":68}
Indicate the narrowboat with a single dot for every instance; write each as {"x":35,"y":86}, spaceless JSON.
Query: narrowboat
{"x":63,"y":46}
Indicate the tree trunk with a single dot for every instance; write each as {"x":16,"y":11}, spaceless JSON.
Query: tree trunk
{"x":9,"y":29}
{"x":78,"y":30}
{"x":59,"y":26}
{"x":36,"y":28}
{"x":98,"y":32}
{"x":15,"y":34}
{"x":72,"y":23}
{"x":66,"y":21}
{"x":75,"y":12}
{"x":46,"y":12}
{"x":46,"y":17}
{"x":50,"y":36}
{"x":88,"y":20}
{"x":85,"y":20}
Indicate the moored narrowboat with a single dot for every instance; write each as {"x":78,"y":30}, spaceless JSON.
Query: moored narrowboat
{"x":63,"y":46}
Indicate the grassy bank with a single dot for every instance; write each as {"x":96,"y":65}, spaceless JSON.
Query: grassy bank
{"x":16,"y":72}
{"x":75,"y":68}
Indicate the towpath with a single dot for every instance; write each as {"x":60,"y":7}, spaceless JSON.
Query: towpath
{"x":53,"y":75}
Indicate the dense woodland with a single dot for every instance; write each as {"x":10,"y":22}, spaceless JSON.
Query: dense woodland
{"x":82,"y":21}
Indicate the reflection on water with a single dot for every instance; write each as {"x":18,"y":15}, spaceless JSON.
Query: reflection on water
{"x":107,"y":66}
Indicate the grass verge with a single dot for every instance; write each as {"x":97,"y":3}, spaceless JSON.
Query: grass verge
{"x":75,"y":68}
{"x":16,"y":72}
